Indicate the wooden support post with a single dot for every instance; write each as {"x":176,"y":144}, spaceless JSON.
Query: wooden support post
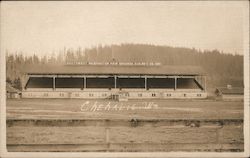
{"x":107,"y":139}
{"x":175,"y":83}
{"x":85,"y":82}
{"x":115,"y":81}
{"x":54,"y":82}
{"x":82,"y":83}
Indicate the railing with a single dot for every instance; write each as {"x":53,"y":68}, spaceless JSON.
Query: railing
{"x":106,"y":135}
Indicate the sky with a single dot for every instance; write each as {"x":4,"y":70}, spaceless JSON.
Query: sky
{"x":41,"y":27}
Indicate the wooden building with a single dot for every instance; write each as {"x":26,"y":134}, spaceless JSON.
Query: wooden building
{"x":132,"y":81}
{"x":230,"y":93}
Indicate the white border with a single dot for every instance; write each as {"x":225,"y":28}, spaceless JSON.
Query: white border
{"x":4,"y":152}
{"x":246,"y":79}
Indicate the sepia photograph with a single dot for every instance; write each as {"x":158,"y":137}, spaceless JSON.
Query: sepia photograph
{"x":124,"y":78}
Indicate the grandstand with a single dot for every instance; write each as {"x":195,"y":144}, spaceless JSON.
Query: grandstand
{"x":115,"y":80}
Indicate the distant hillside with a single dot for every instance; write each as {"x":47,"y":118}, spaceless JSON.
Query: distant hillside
{"x":222,"y":68}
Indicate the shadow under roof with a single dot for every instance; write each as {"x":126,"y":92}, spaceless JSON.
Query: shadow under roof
{"x":114,"y":70}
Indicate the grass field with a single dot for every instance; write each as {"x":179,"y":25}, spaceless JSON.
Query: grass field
{"x":67,"y":125}
{"x":167,"y":109}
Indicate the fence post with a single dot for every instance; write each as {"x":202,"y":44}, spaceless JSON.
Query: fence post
{"x":107,"y":139}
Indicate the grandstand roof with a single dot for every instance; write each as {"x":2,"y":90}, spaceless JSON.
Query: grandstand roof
{"x":115,"y":69}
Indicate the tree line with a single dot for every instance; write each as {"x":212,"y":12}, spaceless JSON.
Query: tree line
{"x":221,"y":68}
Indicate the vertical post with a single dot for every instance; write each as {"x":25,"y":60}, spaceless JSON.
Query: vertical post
{"x":107,"y":139}
{"x":175,"y":83}
{"x":146,"y":82}
{"x":115,"y":81}
{"x":82,"y":83}
{"x":85,"y":82}
{"x":54,"y":82}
